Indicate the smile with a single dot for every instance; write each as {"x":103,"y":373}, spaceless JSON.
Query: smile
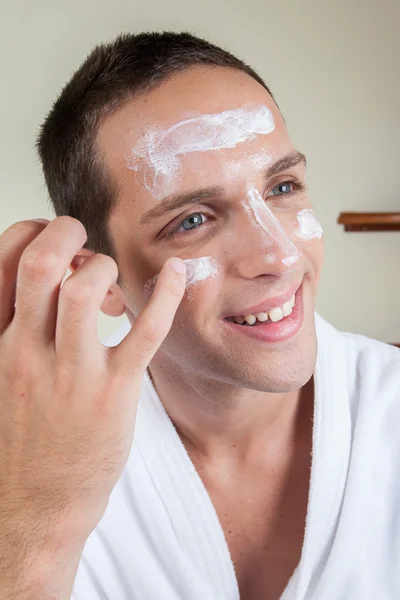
{"x":275,"y":314}
{"x":275,"y":324}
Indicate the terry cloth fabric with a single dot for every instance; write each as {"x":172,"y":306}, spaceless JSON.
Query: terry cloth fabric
{"x":160,"y":537}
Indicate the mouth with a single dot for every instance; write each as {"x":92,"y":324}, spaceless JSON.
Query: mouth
{"x":275,"y":325}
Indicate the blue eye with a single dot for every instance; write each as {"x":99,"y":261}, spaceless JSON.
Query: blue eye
{"x":284,"y":188}
{"x":192,"y":222}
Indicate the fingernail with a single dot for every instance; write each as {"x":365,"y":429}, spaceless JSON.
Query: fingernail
{"x":45,"y":221}
{"x":178,"y":265}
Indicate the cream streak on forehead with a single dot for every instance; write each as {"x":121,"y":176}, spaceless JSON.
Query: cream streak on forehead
{"x":160,"y":148}
{"x":238,"y":169}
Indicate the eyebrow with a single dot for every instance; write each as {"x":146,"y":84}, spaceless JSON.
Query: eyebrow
{"x":176,"y":201}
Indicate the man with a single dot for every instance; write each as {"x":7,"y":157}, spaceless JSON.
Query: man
{"x":265,"y":450}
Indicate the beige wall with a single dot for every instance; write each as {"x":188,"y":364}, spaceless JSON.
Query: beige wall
{"x":334,"y":69}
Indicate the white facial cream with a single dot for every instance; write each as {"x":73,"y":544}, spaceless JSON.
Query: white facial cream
{"x":264,"y":217}
{"x":270,"y":259}
{"x":160,"y":148}
{"x":197,"y":269}
{"x":234,"y":170}
{"x":261,"y":160}
{"x":309,"y":226}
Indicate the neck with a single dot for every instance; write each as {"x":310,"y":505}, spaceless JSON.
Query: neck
{"x":218,"y":421}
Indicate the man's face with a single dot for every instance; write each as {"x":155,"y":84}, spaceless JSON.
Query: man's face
{"x":206,"y":171}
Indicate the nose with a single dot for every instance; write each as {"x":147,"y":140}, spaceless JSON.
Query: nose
{"x":265,"y":247}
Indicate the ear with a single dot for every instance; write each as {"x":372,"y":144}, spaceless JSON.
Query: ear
{"x":114,"y":302}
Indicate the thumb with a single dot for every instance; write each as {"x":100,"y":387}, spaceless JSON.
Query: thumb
{"x":136,"y":350}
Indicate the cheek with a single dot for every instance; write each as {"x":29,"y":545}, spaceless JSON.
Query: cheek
{"x":200,"y":270}
{"x":309,"y":233}
{"x":305,"y":231}
{"x":319,"y":254}
{"x":309,"y":228}
{"x":203,"y":280}
{"x":313,"y":252}
{"x":198,"y":308}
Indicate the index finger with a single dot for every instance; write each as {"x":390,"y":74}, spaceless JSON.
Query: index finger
{"x":136,"y":350}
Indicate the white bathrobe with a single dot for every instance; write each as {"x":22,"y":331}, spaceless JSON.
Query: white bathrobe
{"x":160,"y":537}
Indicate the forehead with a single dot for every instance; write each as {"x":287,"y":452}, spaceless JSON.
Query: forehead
{"x":196,"y":91}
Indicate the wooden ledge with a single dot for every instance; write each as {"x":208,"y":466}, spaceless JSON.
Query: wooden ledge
{"x":357,"y":221}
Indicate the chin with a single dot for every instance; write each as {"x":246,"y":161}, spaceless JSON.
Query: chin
{"x":286,"y":370}
{"x":275,"y":382}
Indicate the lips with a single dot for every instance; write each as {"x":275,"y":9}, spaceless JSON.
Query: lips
{"x":269,"y":331}
{"x":266,"y":305}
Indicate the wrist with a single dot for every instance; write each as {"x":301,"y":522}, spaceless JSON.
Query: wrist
{"x":34,"y":568}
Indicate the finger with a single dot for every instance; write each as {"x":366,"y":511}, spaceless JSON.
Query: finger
{"x":136,"y":350}
{"x":13,"y":242}
{"x":41,"y":270}
{"x":80,"y":300}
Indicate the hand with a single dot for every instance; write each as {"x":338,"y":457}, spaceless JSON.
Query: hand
{"x":67,"y":403}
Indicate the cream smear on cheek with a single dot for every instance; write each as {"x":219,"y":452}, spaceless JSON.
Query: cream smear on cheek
{"x":197,"y":269}
{"x":309,"y":226}
{"x":160,"y":148}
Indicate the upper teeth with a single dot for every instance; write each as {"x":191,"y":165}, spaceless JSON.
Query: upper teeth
{"x":275,"y":314}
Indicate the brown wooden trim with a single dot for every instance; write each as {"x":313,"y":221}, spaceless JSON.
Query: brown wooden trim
{"x":358,"y":221}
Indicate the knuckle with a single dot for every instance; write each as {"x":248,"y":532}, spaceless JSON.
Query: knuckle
{"x":38,"y":263}
{"x":173,"y":291}
{"x":82,"y":291}
{"x":76,"y":292}
{"x":25,"y":226}
{"x":107,"y":262}
{"x":150,"y":334}
{"x":4,"y":266}
{"x":104,"y":257}
{"x":24,"y":362}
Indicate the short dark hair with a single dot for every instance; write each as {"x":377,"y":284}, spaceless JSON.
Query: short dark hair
{"x":111,"y":75}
